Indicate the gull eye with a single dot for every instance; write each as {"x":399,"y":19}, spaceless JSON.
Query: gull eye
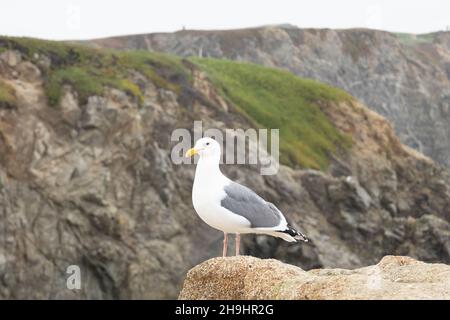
{"x":207,"y":143}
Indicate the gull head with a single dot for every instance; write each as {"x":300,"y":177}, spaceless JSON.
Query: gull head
{"x":205,"y":148}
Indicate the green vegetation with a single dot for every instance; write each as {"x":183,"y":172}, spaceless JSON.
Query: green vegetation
{"x":269,"y":98}
{"x":273,"y":98}
{"x":84,"y":83}
{"x":411,"y":39}
{"x":89,"y":70}
{"x":7,"y":95}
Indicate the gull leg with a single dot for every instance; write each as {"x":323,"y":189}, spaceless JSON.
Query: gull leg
{"x":238,"y":243}
{"x":225,"y":244}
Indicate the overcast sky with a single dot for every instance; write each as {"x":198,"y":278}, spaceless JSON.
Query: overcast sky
{"x":82,"y":19}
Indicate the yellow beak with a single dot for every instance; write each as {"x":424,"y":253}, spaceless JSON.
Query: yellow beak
{"x":191,"y":152}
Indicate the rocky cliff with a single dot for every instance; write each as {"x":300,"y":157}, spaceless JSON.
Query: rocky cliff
{"x":394,"y":277}
{"x":86,"y":176}
{"x":401,"y":76}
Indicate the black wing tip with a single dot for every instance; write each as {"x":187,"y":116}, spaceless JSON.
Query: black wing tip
{"x":302,"y":238}
{"x":297,"y":235}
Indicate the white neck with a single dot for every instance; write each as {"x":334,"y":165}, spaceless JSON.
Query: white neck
{"x":208,"y":170}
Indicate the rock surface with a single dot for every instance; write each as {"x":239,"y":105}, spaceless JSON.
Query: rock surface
{"x":394,"y":277}
{"x":405,"y":78}
{"x":92,"y":184}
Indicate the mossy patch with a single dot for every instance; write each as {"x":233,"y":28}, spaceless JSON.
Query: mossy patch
{"x":7,"y":96}
{"x":413,"y":39}
{"x":86,"y":84}
{"x":273,"y":98}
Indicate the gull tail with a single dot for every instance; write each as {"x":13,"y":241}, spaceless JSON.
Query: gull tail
{"x":297,"y":235}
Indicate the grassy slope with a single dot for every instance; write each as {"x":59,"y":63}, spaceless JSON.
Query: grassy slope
{"x":270,"y":98}
{"x":277,"y":99}
{"x":90,"y":70}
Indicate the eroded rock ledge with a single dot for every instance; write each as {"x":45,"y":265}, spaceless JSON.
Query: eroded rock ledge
{"x":394,"y":277}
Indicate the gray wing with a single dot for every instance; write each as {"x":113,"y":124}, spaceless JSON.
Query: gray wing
{"x":244,"y":202}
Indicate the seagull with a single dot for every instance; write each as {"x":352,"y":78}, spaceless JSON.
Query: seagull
{"x":230,"y":207}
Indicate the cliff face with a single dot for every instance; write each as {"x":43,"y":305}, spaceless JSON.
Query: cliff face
{"x":89,"y":181}
{"x":394,"y":277}
{"x":402,"y":77}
